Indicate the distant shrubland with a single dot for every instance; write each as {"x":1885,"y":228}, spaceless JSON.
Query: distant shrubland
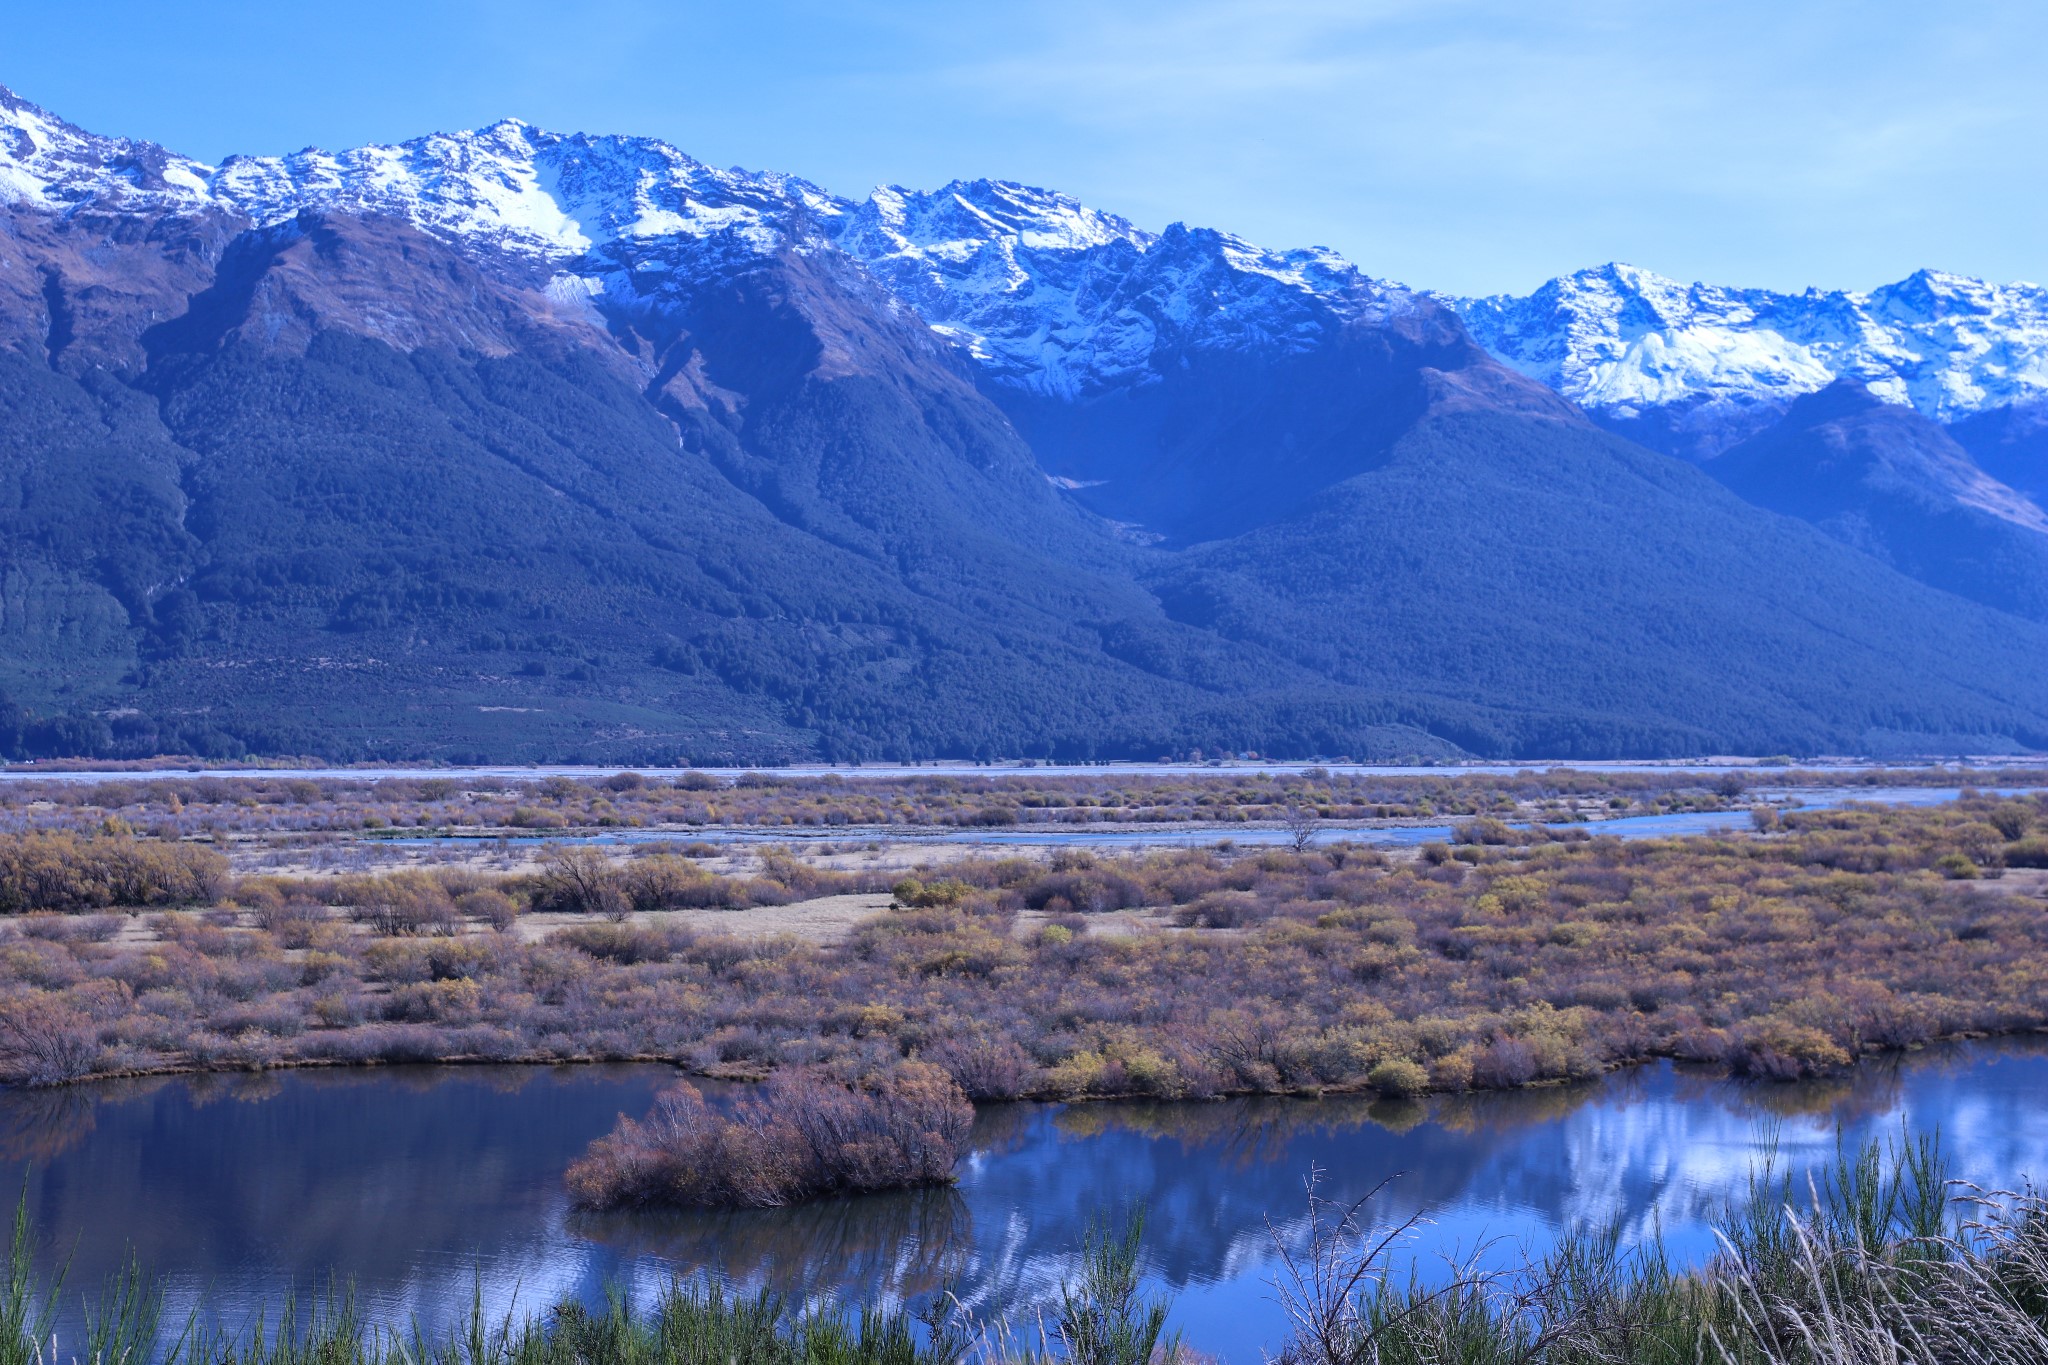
{"x":173,"y":805}
{"x":60,"y":871}
{"x":1185,"y":972}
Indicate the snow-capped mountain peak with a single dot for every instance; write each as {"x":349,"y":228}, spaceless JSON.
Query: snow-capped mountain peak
{"x":525,"y":191}
{"x":1623,"y":340}
{"x":1044,"y":291}
{"x":1051,"y":294}
{"x":52,"y":164}
{"x":1054,"y":296}
{"x":509,"y":187}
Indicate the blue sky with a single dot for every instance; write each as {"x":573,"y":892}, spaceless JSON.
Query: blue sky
{"x":1467,"y":145}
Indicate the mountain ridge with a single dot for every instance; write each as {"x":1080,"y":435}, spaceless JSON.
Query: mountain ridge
{"x":1894,"y":484}
{"x":980,"y":261}
{"x":522,"y":444}
{"x":1609,"y":337}
{"x":1722,"y":362}
{"x":1949,"y":487}
{"x":569,"y":204}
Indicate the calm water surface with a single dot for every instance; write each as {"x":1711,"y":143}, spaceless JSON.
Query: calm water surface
{"x":1190,"y":835}
{"x":411,"y":1182}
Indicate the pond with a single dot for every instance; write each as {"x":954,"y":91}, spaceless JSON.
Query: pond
{"x":415,"y":1184}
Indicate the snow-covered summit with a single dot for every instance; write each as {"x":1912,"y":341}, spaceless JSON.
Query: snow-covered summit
{"x":51,"y":164}
{"x":1057,"y":297}
{"x":523,"y":190}
{"x":1051,"y":295}
{"x":509,"y":187}
{"x":1624,"y":340}
{"x":961,"y":219}
{"x":1047,"y":293}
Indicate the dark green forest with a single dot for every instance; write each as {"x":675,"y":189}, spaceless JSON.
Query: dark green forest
{"x":772,"y":519}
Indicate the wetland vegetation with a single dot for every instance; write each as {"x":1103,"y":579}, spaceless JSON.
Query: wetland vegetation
{"x":1504,"y":958}
{"x":800,"y":1137}
{"x":277,"y":810}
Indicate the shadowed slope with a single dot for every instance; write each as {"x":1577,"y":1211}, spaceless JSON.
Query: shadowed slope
{"x":1495,"y":557}
{"x":1891,"y":483}
{"x":412,"y":510}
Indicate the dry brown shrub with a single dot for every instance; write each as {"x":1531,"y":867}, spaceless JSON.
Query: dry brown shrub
{"x":663,"y":881}
{"x":406,"y":902}
{"x":579,"y":879}
{"x":490,"y":905}
{"x":986,"y":1068}
{"x":1777,"y":1049}
{"x":44,"y":1041}
{"x":292,"y":921}
{"x":1223,"y":910}
{"x":434,"y":1002}
{"x":802,"y":1137}
{"x":61,"y":871}
{"x":623,"y":943}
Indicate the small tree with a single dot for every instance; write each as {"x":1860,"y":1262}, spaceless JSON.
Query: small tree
{"x":1299,"y":819}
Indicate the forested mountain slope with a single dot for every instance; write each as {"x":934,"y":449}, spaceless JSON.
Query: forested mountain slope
{"x":521,"y":445}
{"x":1894,"y":484}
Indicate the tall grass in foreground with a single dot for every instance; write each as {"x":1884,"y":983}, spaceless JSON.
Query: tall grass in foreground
{"x":1882,"y":1261}
{"x":688,"y":1324}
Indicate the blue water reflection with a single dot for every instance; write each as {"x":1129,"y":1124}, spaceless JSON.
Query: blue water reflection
{"x":412,"y":1181}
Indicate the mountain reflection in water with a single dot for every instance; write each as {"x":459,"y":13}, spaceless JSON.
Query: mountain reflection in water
{"x":411,"y":1181}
